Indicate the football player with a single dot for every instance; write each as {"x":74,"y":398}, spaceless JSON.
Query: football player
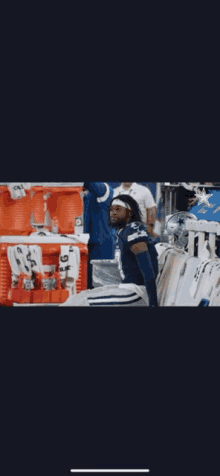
{"x":135,"y":251}
{"x":97,"y":197}
{"x":137,"y":261}
{"x":145,"y":200}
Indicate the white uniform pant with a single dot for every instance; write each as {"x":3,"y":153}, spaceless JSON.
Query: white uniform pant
{"x":113,"y":295}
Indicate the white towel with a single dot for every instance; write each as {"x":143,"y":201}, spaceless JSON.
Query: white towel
{"x":74,"y":262}
{"x":17,"y":189}
{"x":198,"y":277}
{"x":35,"y":257}
{"x":15,"y":271}
{"x":25,"y":259}
{"x":211,"y":282}
{"x":22,"y":256}
{"x":215,"y":281}
{"x":170,"y":266}
{"x":19,"y":262}
{"x":206,"y":251}
{"x":162,"y":258}
{"x":207,"y":284}
{"x":69,"y":265}
{"x":176,"y":268}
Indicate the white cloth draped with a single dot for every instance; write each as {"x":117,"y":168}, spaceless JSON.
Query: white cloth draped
{"x":69,"y":265}
{"x":24,"y":259}
{"x":17,"y":189}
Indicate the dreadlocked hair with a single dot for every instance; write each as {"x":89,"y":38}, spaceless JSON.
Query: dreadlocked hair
{"x":135,"y":209}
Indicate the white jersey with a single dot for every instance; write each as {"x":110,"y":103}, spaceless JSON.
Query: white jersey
{"x":141,"y":194}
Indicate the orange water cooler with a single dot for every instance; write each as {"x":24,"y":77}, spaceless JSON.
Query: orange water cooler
{"x":64,"y":205}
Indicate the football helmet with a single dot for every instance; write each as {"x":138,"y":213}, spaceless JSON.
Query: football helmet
{"x":176,"y":226}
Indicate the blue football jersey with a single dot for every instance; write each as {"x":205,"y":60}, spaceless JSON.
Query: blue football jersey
{"x":96,"y":205}
{"x":209,"y":212}
{"x":128,"y":265}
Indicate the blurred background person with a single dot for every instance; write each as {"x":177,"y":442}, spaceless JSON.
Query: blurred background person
{"x":97,"y":198}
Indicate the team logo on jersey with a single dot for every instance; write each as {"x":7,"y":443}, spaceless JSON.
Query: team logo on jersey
{"x":139,"y":234}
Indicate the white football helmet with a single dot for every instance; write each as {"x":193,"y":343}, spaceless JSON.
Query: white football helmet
{"x":176,"y":226}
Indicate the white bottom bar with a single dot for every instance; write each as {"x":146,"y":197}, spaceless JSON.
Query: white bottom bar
{"x":109,"y":470}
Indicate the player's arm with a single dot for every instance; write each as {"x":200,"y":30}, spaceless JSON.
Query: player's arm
{"x":151,"y":211}
{"x":151,"y":219}
{"x":101,"y":190}
{"x":143,"y":258}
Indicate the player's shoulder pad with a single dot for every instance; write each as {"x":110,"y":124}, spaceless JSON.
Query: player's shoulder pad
{"x":136,"y":231}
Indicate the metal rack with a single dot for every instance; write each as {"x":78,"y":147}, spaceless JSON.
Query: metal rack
{"x":169,"y":207}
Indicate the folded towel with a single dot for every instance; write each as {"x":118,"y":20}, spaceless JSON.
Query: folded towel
{"x":206,"y":251}
{"x":19,"y":259}
{"x":215,"y":281}
{"x":26,"y":260}
{"x":198,"y":277}
{"x":35,"y":256}
{"x":69,"y":262}
{"x":69,"y":265}
{"x":212,"y":279}
{"x":15,"y":271}
{"x":22,"y":256}
{"x":171,"y":264}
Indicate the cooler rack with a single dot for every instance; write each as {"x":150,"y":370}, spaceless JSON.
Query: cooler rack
{"x":50,"y":253}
